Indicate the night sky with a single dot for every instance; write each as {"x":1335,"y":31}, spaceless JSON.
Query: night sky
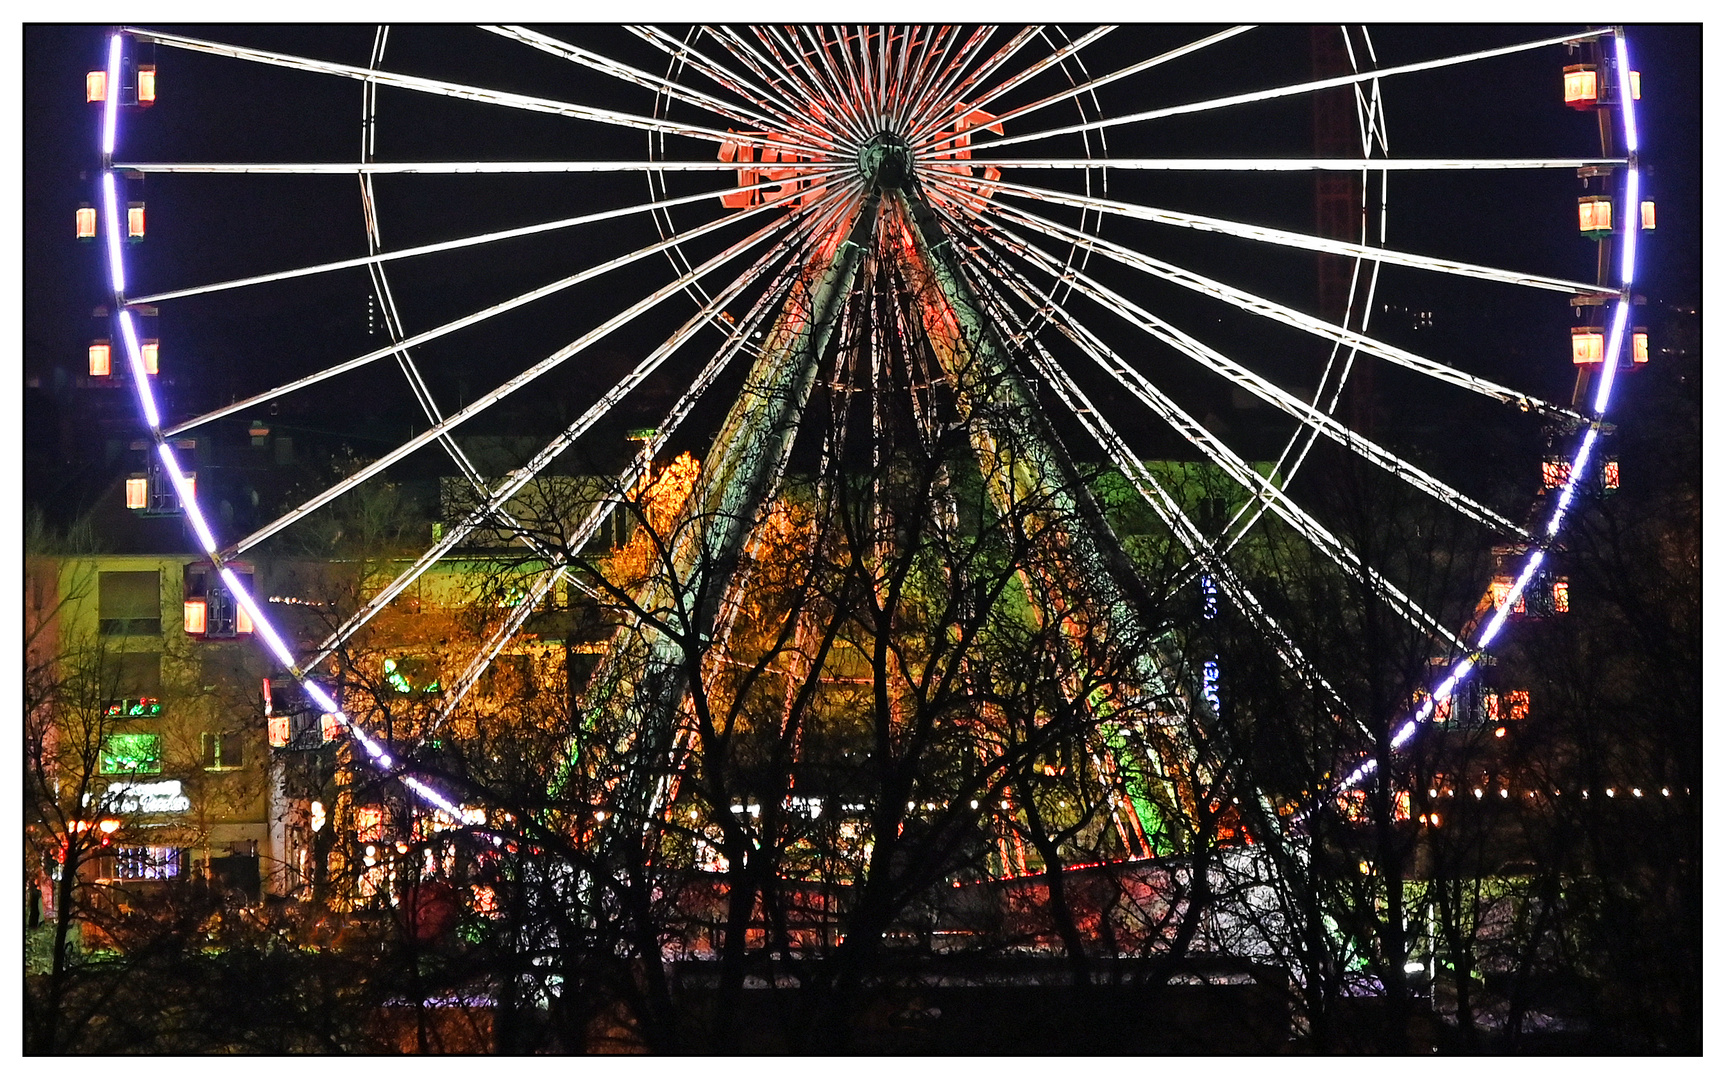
{"x":237,"y":343}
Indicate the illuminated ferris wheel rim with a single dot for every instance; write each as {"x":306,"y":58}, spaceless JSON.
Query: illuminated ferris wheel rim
{"x":953,"y":185}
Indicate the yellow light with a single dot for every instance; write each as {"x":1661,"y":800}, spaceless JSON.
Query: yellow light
{"x":1639,"y":347}
{"x":1435,"y":821}
{"x":146,"y":85}
{"x":1561,"y":596}
{"x":135,"y":221}
{"x":1594,"y":214}
{"x":329,"y":726}
{"x":1611,"y":794}
{"x":319,"y":818}
{"x":86,"y":223}
{"x":1498,"y":733}
{"x":1635,"y":86}
{"x":151,"y":352}
{"x":1587,"y":345}
{"x":109,"y":825}
{"x":137,"y":493}
{"x":101,"y":359}
{"x":1580,"y":86}
{"x":1647,"y":215}
{"x":96,"y":86}
{"x":242,"y":619}
{"x":279,"y":732}
{"x":196,"y":610}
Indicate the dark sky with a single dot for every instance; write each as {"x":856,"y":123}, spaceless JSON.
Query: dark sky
{"x":238,"y":343}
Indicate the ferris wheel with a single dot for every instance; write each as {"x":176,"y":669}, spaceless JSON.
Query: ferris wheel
{"x":1105,"y":235}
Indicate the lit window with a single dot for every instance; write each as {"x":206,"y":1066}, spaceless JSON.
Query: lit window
{"x":368,"y":823}
{"x":146,"y":84}
{"x":1587,"y":345}
{"x":86,"y":223}
{"x":1518,"y":704}
{"x":1489,"y":701}
{"x":1561,"y":596}
{"x":1647,"y":215}
{"x":137,"y":492}
{"x":242,"y":619}
{"x":1635,"y":86}
{"x":280,"y":730}
{"x":1581,"y":86}
{"x":1501,"y":592}
{"x":135,"y":221}
{"x":101,"y":359}
{"x":330,"y":726}
{"x":146,"y":863}
{"x":1401,"y":810}
{"x":1639,"y":346}
{"x":1609,"y":475}
{"x":96,"y":86}
{"x":131,"y":752}
{"x":1441,"y":708}
{"x":1594,"y":215}
{"x":196,"y":616}
{"x":1554,"y":474}
{"x":151,"y":352}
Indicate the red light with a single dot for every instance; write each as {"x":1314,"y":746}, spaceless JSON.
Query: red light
{"x":279,"y":731}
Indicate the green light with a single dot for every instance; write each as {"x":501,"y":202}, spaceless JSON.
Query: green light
{"x":131,"y":753}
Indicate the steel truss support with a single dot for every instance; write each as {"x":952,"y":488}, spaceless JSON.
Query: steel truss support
{"x":1030,"y":477}
{"x":646,"y":671}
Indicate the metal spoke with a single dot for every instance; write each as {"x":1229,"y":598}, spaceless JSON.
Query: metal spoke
{"x":1288,"y":316}
{"x":1305,"y":241}
{"x":594,"y":61}
{"x":723,"y":77}
{"x":508,"y":387}
{"x":1298,"y":88}
{"x":1168,"y":510}
{"x":1036,"y":68}
{"x":379,"y":258}
{"x":1269,"y":392}
{"x":1113,"y":76}
{"x":1238,"y":470}
{"x":453,"y":90}
{"x":521,"y":477}
{"x":1297,"y":164}
{"x":477,"y":317}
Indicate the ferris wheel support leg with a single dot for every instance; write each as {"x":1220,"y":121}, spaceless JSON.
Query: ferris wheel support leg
{"x":1024,"y":465}
{"x":645,"y":673}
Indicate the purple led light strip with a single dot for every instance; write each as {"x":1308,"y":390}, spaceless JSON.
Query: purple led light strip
{"x":182,"y":486}
{"x":1602,"y":397}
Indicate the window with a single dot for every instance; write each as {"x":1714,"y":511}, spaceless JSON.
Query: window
{"x":147,"y":863}
{"x":223,"y":750}
{"x":131,"y":752}
{"x":134,"y":675}
{"x":129,"y":602}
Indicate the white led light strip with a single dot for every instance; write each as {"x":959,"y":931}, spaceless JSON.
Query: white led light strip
{"x":1602,"y":397}
{"x":182,"y":486}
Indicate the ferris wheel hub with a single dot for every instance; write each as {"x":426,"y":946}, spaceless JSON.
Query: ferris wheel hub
{"x":885,"y":161}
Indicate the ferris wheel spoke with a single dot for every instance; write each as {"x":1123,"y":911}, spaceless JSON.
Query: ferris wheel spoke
{"x":798,"y":97}
{"x":763,"y":96}
{"x":1302,"y":411}
{"x":844,"y":94}
{"x":1288,"y":316}
{"x":985,"y":70}
{"x":480,"y":316}
{"x":460,"y":91}
{"x":1305,"y":241}
{"x":1091,"y":85}
{"x":1286,"y":164}
{"x":511,"y":385}
{"x":940,"y":96}
{"x":1297,"y":88}
{"x":382,"y":257}
{"x":494,"y":646}
{"x":1261,"y":488}
{"x":1168,"y":510}
{"x":742,"y":114}
{"x":346,"y":168}
{"x":1033,"y":69}
{"x":925,"y":79}
{"x":513,"y":484}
